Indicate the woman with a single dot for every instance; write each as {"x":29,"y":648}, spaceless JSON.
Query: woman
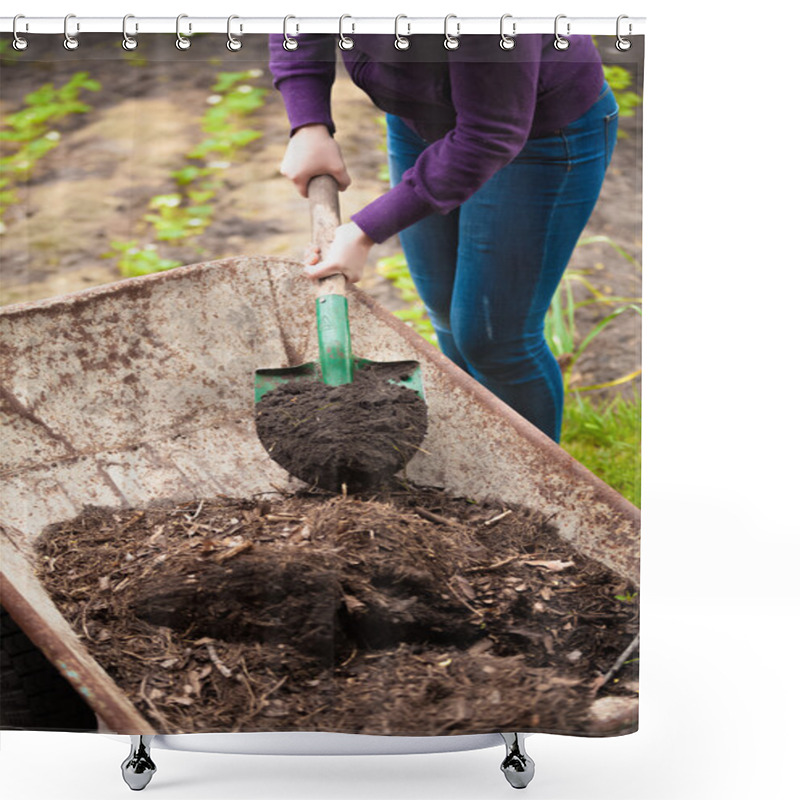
{"x":496,"y":160}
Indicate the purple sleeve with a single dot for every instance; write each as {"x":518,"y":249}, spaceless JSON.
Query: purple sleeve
{"x":494,"y":102}
{"x":304,"y":78}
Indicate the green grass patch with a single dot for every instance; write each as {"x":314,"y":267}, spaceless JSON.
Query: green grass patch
{"x":606,"y":437}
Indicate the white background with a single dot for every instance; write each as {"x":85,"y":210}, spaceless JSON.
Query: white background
{"x":720,"y":603}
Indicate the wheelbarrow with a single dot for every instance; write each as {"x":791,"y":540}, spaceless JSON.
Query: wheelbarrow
{"x":141,"y":391}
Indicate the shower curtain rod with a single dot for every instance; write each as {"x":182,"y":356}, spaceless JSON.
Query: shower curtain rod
{"x":405,"y":25}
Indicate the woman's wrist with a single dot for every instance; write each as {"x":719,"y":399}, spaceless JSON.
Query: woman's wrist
{"x":360,"y":236}
{"x":312,"y":129}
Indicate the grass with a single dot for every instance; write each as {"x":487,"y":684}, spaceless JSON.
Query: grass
{"x":605,"y":436}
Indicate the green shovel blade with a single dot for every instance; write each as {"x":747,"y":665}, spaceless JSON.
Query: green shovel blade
{"x":336,"y":364}
{"x":409,"y":372}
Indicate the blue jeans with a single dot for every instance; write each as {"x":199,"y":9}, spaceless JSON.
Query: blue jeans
{"x":487,"y":271}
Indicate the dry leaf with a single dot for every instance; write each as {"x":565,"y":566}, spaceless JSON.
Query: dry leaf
{"x":183,"y":701}
{"x":465,"y":586}
{"x":353,"y":604}
{"x":481,"y":646}
{"x":553,"y":566}
{"x":231,"y":552}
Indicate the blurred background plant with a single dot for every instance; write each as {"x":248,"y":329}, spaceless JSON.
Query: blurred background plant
{"x":30,"y":134}
{"x":184,"y":214}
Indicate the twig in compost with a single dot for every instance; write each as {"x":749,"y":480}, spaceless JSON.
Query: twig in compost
{"x":152,"y":706}
{"x":477,"y":612}
{"x":601,"y":682}
{"x":494,"y":520}
{"x":196,"y":513}
{"x":233,"y":551}
{"x":413,"y":447}
{"x":275,"y":687}
{"x":215,"y":660}
{"x":132,"y":520}
{"x":431,"y":517}
{"x":497,"y":564}
{"x":349,"y":658}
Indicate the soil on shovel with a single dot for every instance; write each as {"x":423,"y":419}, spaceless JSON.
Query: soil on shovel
{"x":407,"y":613}
{"x":358,"y":434}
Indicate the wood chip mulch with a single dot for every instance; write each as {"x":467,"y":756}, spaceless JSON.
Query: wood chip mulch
{"x":408,"y":613}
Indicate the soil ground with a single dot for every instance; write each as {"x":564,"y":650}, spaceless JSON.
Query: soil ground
{"x":95,"y":186}
{"x":406,"y":613}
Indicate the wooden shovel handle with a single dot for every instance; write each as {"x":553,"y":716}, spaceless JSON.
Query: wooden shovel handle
{"x":323,"y":196}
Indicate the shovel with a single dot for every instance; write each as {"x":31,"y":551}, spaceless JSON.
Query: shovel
{"x":336,"y":366}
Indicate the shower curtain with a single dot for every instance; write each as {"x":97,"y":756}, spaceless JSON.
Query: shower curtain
{"x":490,"y":200}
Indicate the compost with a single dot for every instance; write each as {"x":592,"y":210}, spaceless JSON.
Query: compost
{"x":358,"y":434}
{"x":409,"y":612}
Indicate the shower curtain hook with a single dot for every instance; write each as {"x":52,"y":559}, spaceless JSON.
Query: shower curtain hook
{"x":182,"y":43}
{"x":288,"y":42}
{"x":345,"y":42}
{"x":70,"y":42}
{"x":401,"y":42}
{"x":234,"y":42}
{"x":451,"y":42}
{"x":19,"y":43}
{"x":507,"y":42}
{"x":560,"y":43}
{"x":129,"y":42}
{"x":623,"y":44}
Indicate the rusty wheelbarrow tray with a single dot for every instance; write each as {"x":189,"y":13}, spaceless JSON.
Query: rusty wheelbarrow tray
{"x":141,"y":391}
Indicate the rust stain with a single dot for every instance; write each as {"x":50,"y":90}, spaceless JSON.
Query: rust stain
{"x":17,"y":406}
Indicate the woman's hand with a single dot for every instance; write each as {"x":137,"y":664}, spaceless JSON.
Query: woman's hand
{"x":312,"y":151}
{"x":347,"y":254}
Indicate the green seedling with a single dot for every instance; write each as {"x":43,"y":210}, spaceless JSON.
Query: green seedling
{"x":182,"y":215}
{"x":32,"y":133}
{"x":619,"y":79}
{"x":133,"y":261}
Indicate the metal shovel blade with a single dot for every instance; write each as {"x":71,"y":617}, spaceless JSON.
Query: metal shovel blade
{"x":401,"y":373}
{"x":336,"y":364}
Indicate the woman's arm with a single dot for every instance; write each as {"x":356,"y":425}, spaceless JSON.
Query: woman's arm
{"x":304,"y":78}
{"x":494,"y":95}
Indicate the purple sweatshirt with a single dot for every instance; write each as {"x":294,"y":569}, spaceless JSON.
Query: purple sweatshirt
{"x":477,"y":106}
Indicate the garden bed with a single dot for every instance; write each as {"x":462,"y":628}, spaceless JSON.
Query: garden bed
{"x":408,"y":612}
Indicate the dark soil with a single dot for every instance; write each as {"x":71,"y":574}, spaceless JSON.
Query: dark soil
{"x":357,"y":435}
{"x":406,"y":613}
